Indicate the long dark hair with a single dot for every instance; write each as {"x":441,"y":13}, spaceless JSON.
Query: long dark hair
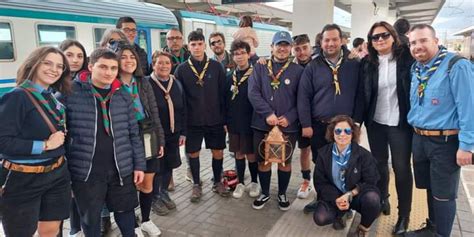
{"x":28,"y":69}
{"x":396,"y":47}
{"x":70,"y":42}
{"x":246,"y":21}
{"x":138,"y":73}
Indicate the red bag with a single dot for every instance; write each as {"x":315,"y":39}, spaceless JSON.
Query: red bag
{"x":230,"y":179}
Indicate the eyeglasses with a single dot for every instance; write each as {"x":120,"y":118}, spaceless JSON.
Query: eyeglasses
{"x":50,"y":65}
{"x":302,"y":37}
{"x":213,"y":43}
{"x":384,"y":35}
{"x":129,"y":30}
{"x":172,"y":38}
{"x":347,"y":131}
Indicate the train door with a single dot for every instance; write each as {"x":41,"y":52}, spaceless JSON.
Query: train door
{"x":144,"y":40}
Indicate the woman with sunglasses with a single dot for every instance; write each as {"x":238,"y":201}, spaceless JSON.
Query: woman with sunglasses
{"x":35,"y":191}
{"x":112,"y":36}
{"x":345,"y":177}
{"x":386,"y":85}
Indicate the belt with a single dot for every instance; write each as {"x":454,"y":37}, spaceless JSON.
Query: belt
{"x":31,"y":168}
{"x":436,"y":132}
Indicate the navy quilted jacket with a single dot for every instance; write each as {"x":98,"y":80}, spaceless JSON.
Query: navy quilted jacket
{"x":81,"y":112}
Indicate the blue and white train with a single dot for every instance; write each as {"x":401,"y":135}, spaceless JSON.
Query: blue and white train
{"x":26,"y":25}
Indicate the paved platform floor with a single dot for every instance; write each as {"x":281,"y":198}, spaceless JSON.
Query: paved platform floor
{"x":217,"y":216}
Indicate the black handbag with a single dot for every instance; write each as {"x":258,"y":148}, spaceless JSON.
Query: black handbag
{"x":149,"y":137}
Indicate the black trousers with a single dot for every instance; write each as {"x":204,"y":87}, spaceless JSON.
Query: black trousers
{"x":318,"y":139}
{"x":399,"y":140}
{"x":366,"y":203}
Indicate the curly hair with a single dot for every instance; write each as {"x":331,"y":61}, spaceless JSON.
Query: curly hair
{"x":339,"y":119}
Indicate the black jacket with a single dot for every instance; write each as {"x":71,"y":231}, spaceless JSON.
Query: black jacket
{"x":81,"y":112}
{"x":239,"y":110}
{"x":147,"y":98}
{"x":143,"y":59}
{"x":361,"y":172}
{"x":369,"y":88}
{"x":205,"y":104}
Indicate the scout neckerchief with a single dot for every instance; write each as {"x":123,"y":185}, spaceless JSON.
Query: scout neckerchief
{"x":235,"y":84}
{"x":167,"y":97}
{"x":200,"y":77}
{"x":276,"y":78}
{"x":341,"y":160}
{"x":181,"y":56}
{"x":423,"y":81}
{"x":59,"y":115}
{"x":335,"y":72}
{"x":103,"y":103}
{"x":133,"y":90}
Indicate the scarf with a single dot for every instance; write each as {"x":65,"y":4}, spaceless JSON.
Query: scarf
{"x":200,"y":76}
{"x":116,"y":84}
{"x":335,"y":71}
{"x":59,"y":115}
{"x":167,"y":96}
{"x":133,"y":90}
{"x":423,"y":81}
{"x":276,"y":79}
{"x":235,"y":84}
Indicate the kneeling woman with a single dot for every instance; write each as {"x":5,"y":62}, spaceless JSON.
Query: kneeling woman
{"x":35,"y":183}
{"x":345,"y":178}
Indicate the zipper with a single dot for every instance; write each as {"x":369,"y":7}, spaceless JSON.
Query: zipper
{"x":113,"y":142}
{"x":95,"y":138}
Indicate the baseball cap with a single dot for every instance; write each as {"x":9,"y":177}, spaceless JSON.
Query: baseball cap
{"x":282,"y":36}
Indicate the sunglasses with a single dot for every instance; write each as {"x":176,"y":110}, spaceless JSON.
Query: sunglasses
{"x":347,"y":131}
{"x":213,"y":43}
{"x":384,"y":35}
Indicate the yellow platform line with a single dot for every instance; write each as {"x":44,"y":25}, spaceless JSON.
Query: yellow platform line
{"x":419,"y":211}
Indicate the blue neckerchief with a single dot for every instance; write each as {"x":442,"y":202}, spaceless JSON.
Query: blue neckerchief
{"x":343,"y":157}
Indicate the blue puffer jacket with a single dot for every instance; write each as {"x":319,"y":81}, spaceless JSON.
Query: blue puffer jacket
{"x":81,"y":112}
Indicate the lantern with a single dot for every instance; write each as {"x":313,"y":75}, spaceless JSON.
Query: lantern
{"x":276,"y":147}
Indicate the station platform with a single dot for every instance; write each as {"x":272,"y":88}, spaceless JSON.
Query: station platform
{"x":217,"y":216}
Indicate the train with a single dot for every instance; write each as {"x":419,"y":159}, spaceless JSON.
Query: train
{"x":26,"y":25}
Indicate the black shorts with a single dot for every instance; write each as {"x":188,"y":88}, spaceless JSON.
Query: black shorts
{"x":434,"y":165}
{"x":242,"y":143}
{"x":29,"y":198}
{"x":91,"y":195}
{"x":303,"y":142}
{"x":258,"y":144}
{"x":214,"y":136}
{"x":172,"y":158}
{"x":151,"y":165}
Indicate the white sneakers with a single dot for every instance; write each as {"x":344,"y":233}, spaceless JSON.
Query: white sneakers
{"x":304,"y":190}
{"x":149,"y":228}
{"x":253,"y":188}
{"x":239,"y":191}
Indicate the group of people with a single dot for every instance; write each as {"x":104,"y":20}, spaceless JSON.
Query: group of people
{"x":96,"y":130}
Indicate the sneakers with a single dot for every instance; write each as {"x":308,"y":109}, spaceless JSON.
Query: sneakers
{"x":220,"y":189}
{"x":283,"y":202}
{"x":165,"y":198}
{"x":254,"y":190}
{"x":196,"y":193}
{"x":150,"y":229}
{"x":339,"y":223}
{"x":159,"y":207}
{"x":78,"y":234}
{"x":259,"y":203}
{"x":189,"y":175}
{"x":138,"y":232}
{"x":239,"y":191}
{"x":428,"y":230}
{"x":386,"y":207}
{"x":310,"y":207}
{"x":304,"y":190}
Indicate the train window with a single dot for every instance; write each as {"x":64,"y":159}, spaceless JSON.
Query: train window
{"x":98,"y":33}
{"x":54,"y":34}
{"x":6,"y":42}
